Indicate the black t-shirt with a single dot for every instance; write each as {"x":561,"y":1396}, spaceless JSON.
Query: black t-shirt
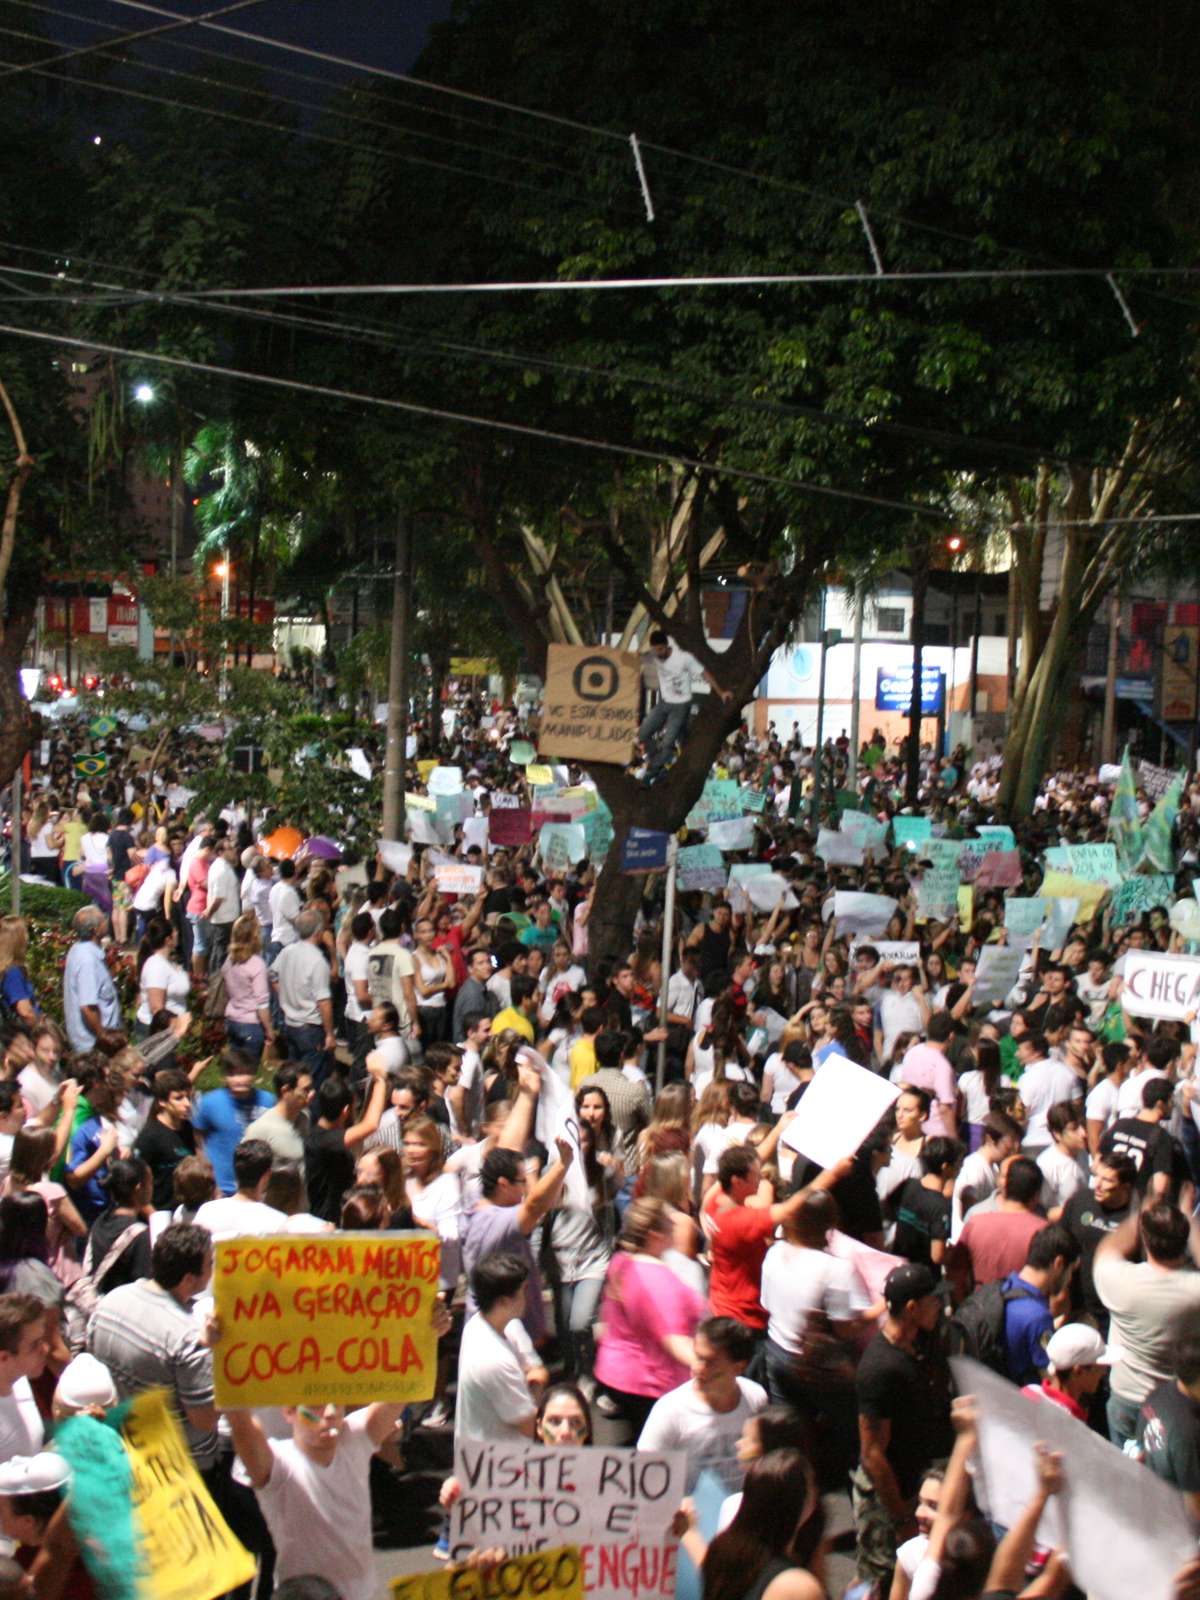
{"x":921,"y":1217}
{"x":134,"y":1261}
{"x":912,"y":1392}
{"x":859,"y":1212}
{"x":120,"y":842}
{"x":162,"y":1149}
{"x":1089,"y":1222}
{"x":1149,"y":1146}
{"x":328,"y":1172}
{"x":1168,"y":1430}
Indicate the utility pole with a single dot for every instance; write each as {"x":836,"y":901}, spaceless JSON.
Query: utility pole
{"x":1108,"y":734}
{"x":855,"y":690}
{"x":397,"y":722}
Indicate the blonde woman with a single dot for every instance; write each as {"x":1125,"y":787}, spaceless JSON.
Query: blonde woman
{"x":247,"y":998}
{"x":15,"y":987}
{"x":45,"y":838}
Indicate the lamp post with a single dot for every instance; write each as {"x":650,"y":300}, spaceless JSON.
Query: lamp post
{"x":829,"y":638}
{"x":222,"y":570}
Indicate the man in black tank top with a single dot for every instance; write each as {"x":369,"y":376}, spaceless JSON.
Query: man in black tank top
{"x":713,"y":942}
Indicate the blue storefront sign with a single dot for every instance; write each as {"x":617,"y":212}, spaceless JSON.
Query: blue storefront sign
{"x":893,"y":690}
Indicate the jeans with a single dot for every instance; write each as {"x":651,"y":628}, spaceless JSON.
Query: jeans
{"x":249,"y":1037}
{"x":1122,"y":1419}
{"x":672,"y":720}
{"x":829,"y":1408}
{"x":577,"y":1313}
{"x":218,"y":944}
{"x":306,"y":1046}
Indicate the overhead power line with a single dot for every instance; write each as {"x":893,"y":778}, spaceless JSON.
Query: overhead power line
{"x":129,"y":38}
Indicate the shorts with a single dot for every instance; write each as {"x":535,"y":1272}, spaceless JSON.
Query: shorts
{"x":122,"y":896}
{"x":200,"y":933}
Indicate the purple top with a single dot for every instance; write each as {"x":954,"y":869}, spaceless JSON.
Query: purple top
{"x":245,"y":989}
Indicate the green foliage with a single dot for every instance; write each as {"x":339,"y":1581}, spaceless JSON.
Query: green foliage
{"x":44,"y":902}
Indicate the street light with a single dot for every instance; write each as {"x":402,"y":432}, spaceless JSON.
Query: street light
{"x":222,"y":570}
{"x":144,"y":393}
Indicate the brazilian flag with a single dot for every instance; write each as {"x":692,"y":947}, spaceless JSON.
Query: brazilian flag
{"x":90,"y":766}
{"x":100,"y":727}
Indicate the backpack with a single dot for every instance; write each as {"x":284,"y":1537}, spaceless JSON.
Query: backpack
{"x":82,"y":1298}
{"x":977,"y":1328}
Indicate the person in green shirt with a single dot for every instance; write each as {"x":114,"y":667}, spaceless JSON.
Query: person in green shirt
{"x":542,"y":934}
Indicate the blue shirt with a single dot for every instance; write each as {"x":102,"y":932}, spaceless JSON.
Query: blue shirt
{"x":222,"y":1121}
{"x":92,"y":1198}
{"x":15,"y":987}
{"x":1027,"y":1326}
{"x":86,"y":982}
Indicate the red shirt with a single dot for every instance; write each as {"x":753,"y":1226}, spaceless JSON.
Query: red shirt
{"x":453,"y":941}
{"x":739,"y":1238}
{"x":1058,"y":1397}
{"x":998,"y":1242}
{"x":197,"y":882}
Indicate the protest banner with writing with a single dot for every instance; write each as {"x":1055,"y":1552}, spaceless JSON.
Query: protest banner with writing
{"x":645,"y":850}
{"x":943,"y":852}
{"x":970,"y":858}
{"x":561,"y":844}
{"x":501,"y":800}
{"x":598,"y":831}
{"x":1060,"y":919}
{"x":1065,"y":885}
{"x":860,"y":913}
{"x":395,"y":857}
{"x":458,"y":879}
{"x":997,"y":835}
{"x":911,"y":830}
{"x":999,"y":869}
{"x":839,"y":849}
{"x":937,"y":893}
{"x":590,"y":708}
{"x":895,"y":952}
{"x":509,"y":827}
{"x":539,"y":776}
{"x":616,"y":1506}
{"x":866,"y":831}
{"x":445,"y":780}
{"x":1058,"y":857}
{"x":1024,"y":916}
{"x":420,"y":802}
{"x":700,"y":866}
{"x":1097,"y":863}
{"x":721,"y":800}
{"x":996,"y":972}
{"x":753,"y":800}
{"x":545,"y":1575}
{"x":1144,"y":892}
{"x":1124,"y":1530}
{"x":1164,"y":987}
{"x":839,"y":1108}
{"x":1155,"y":780}
{"x":767,"y":890}
{"x":741,"y":870}
{"x":343,"y":1318}
{"x":737,"y":833}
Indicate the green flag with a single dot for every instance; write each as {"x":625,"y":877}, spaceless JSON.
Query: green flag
{"x":1158,"y":839}
{"x":1124,"y":823}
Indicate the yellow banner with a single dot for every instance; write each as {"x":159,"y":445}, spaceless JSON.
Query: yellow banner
{"x":425,"y":768}
{"x":189,"y":1552}
{"x":344,"y":1318}
{"x":472,"y":666}
{"x":581,"y":792}
{"x":557,"y":1574}
{"x":542,"y":776}
{"x":966,"y":906}
{"x":419,"y":802}
{"x":1065,"y":886}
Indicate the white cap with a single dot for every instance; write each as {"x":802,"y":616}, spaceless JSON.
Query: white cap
{"x":85,"y":1382}
{"x":34,"y":1474}
{"x":1077,"y":1345}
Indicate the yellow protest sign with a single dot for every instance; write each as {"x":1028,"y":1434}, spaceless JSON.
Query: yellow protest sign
{"x":419,"y":802}
{"x":472,"y":666}
{"x":542,"y":1575}
{"x":966,"y":906}
{"x":542,"y":776}
{"x":581,"y":792}
{"x":188,"y":1550}
{"x":425,"y":768}
{"x":1065,"y":886}
{"x":590,"y":709}
{"x":344,"y":1317}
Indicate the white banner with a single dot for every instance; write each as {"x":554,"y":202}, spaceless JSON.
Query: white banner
{"x":839,"y":849}
{"x":896,"y":952}
{"x":860,"y":913}
{"x":838,"y":1110}
{"x":395,"y":857}
{"x":996,"y":972}
{"x":458,"y":879}
{"x":766,"y":890}
{"x":555,"y":1118}
{"x":736,"y":833}
{"x":1166,"y":987}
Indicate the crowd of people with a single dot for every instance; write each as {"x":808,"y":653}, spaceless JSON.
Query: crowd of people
{"x":663,"y":1254}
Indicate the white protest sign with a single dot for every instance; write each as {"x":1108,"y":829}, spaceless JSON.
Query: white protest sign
{"x":839,"y":849}
{"x":861,"y":913}
{"x":475,"y":832}
{"x":865,"y":830}
{"x":1125,"y":1531}
{"x":422,"y":828}
{"x":556,"y":1118}
{"x":1095,"y":863}
{"x":615,"y":1506}
{"x":767,"y":891}
{"x":445,"y":780}
{"x":937,"y":893}
{"x":359,"y":764}
{"x":898,"y":952}
{"x":458,"y":879}
{"x":838,"y":1110}
{"x":1166,"y":987}
{"x":736,"y":833}
{"x":996,"y":972}
{"x":395,"y":857}
{"x":1060,"y":919}
{"x":741,"y":870}
{"x":1109,"y":772}
{"x":503,"y":801}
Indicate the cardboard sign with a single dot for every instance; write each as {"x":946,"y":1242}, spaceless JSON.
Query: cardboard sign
{"x":1064,"y":885}
{"x":419,"y":802}
{"x":590,"y":709}
{"x":862,"y":913}
{"x":838,"y":1110}
{"x":1125,"y":1531}
{"x":842,"y":849}
{"x":510,"y":827}
{"x":644,"y":850}
{"x":458,"y":879}
{"x":616,"y":1506}
{"x":1164,"y":987}
{"x":189,"y":1551}
{"x":1140,"y":894}
{"x":1097,"y":863}
{"x":553,"y":1574}
{"x":700,"y":866}
{"x":561,"y":845}
{"x":999,"y":869}
{"x":893,"y":952}
{"x":343,"y":1318}
{"x":996,"y":972}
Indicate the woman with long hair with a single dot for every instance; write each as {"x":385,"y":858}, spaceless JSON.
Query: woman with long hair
{"x":669,"y":1129}
{"x":710,"y":1119}
{"x":247,"y":995}
{"x":772,"y":1548}
{"x":669,"y":1178}
{"x":979,"y":1085}
{"x":25,"y":1269}
{"x":32,"y":1154}
{"x":718,"y":1050}
{"x":45,"y":839}
{"x":433,"y":975}
{"x":15,"y":987}
{"x":647,"y":1317}
{"x":383,"y":1168}
{"x":130,"y":1190}
{"x":433,"y":1194}
{"x":163,"y":985}
{"x":582,"y":1237}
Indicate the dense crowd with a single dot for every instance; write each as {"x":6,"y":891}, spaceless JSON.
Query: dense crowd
{"x":389,"y":1056}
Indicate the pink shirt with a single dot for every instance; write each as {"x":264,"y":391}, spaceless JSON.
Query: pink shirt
{"x":245,"y":989}
{"x":925,"y":1068}
{"x":643,"y":1302}
{"x":197,"y":883}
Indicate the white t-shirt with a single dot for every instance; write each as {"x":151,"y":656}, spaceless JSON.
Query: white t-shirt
{"x":784,"y":1082}
{"x":284,"y":905}
{"x":160,"y":972}
{"x":438,"y":1206}
{"x":470,"y":1081}
{"x":1062,"y":1174}
{"x":36,"y":1090}
{"x":977,"y":1174}
{"x":493,"y":1396}
{"x":160,"y":878}
{"x":898,"y":1013}
{"x":231,"y":1218}
{"x":93,"y":848}
{"x":683,"y":1420}
{"x":21,"y":1430}
{"x":320,"y":1516}
{"x":356,"y":967}
{"x":1129,"y":1095}
{"x":222,"y":885}
{"x":797,"y":1281}
{"x":974,"y":1089}
{"x":1044,"y":1084}
{"x":675,"y":675}
{"x":1101,"y":1105}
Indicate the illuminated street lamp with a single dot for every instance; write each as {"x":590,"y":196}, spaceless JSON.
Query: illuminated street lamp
{"x":222,"y":570}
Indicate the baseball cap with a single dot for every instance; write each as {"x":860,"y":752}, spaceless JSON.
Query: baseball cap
{"x":85,"y":1382}
{"x":34,"y":1474}
{"x":1077,"y":1345}
{"x":913,"y":1281}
